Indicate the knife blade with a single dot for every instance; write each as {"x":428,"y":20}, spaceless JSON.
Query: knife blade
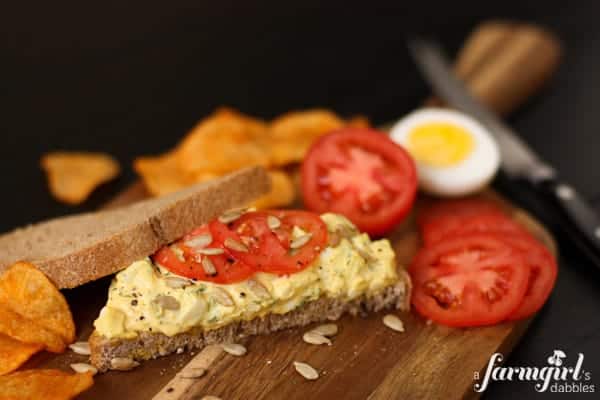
{"x":518,"y":160}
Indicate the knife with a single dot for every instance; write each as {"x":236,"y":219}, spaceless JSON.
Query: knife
{"x":518,"y":160}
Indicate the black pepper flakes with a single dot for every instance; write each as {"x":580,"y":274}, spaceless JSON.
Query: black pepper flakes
{"x":242,"y":294}
{"x":169,"y":390}
{"x":142,"y":318}
{"x":134,"y":302}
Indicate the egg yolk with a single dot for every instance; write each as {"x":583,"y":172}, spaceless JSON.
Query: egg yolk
{"x":440,"y":144}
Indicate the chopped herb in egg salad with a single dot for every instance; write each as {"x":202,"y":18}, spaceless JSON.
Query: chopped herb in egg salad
{"x":261,"y":263}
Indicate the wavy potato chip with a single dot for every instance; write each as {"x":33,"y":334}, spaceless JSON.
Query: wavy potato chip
{"x":73,"y":176}
{"x":292,"y":134}
{"x":283,"y":191}
{"x":14,"y":353}
{"x":24,"y":330}
{"x":46,"y":384}
{"x":223,"y":142}
{"x":27,"y":291}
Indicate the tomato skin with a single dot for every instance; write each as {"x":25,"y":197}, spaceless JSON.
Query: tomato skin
{"x":544,"y":272}
{"x":472,"y":280}
{"x":272,"y":252}
{"x":362,"y":174}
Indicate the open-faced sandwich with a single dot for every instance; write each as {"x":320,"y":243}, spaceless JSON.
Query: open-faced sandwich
{"x":197,"y":269}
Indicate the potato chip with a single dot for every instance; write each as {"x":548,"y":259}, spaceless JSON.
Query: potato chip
{"x":28,"y":292}
{"x":283,"y":191}
{"x":73,"y":176}
{"x":46,"y":384}
{"x":22,"y":329}
{"x":292,"y":134}
{"x":223,"y":142}
{"x":161,"y":174}
{"x":14,"y":353}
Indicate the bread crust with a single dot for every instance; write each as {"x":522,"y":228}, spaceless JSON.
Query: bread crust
{"x":149,"y":345}
{"x":81,"y":248}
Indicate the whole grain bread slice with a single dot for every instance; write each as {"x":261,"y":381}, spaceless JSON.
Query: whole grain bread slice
{"x":77,"y":249}
{"x":149,"y":345}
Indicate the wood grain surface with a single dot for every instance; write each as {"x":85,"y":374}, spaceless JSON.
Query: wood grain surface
{"x":366,"y":360}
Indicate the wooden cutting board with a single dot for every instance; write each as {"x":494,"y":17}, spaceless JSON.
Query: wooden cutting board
{"x":366,"y":360}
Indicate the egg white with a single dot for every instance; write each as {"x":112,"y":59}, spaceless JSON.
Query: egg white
{"x":468,"y":175}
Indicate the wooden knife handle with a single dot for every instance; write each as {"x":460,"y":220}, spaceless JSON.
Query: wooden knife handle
{"x":504,"y":63}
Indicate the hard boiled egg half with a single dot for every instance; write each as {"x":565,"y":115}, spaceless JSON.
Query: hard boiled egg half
{"x":455,"y":155}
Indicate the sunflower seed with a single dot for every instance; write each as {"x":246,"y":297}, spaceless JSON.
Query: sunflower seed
{"x":178,"y":252}
{"x":235,"y":245}
{"x":313,"y":337}
{"x":209,"y":251}
{"x":210,"y":397}
{"x":273,"y":222}
{"x":193,"y":373}
{"x":199,"y":241}
{"x":208,"y":266}
{"x":300,"y":241}
{"x":334,"y":239}
{"x":234,"y":349}
{"x":231,"y":215}
{"x":82,"y":348}
{"x":365,"y":254}
{"x":306,"y":370}
{"x":258,"y":289}
{"x":82,"y":368}
{"x":393,"y":322}
{"x":223,"y":298}
{"x":175,"y":282}
{"x":123,"y":363}
{"x":167,"y":302}
{"x":326,"y":329}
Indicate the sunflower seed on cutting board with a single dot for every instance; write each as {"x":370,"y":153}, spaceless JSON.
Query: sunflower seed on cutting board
{"x":234,"y":349}
{"x":123,"y":363}
{"x":82,"y":348}
{"x":82,"y":368}
{"x":393,"y":322}
{"x":193,"y":373}
{"x":313,"y":337}
{"x":326,"y":329}
{"x":306,"y":370}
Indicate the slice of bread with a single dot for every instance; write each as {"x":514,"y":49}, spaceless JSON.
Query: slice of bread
{"x":148,"y":345}
{"x":77,"y":249}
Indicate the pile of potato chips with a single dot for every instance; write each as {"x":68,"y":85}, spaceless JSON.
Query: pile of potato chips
{"x":228,"y":140}
{"x":34,"y":316}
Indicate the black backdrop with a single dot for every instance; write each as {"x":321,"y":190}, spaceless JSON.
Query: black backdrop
{"x":130,"y":78}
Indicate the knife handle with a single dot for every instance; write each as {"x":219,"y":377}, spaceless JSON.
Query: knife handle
{"x":584,"y":222}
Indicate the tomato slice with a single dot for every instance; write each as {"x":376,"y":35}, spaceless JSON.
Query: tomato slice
{"x":444,"y":226}
{"x":361,"y":174}
{"x":186,"y":259}
{"x":269,"y":238}
{"x":472,"y":280}
{"x":544,"y":272}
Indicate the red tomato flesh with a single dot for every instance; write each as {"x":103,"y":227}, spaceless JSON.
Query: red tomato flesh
{"x":472,"y":280}
{"x":361,"y":174}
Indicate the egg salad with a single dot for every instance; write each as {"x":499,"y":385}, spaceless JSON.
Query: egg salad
{"x":147,"y":297}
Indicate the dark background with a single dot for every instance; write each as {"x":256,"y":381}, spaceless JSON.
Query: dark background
{"x":130,"y":79}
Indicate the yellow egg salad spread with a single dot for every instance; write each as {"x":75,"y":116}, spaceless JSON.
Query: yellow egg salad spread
{"x":147,"y":297}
